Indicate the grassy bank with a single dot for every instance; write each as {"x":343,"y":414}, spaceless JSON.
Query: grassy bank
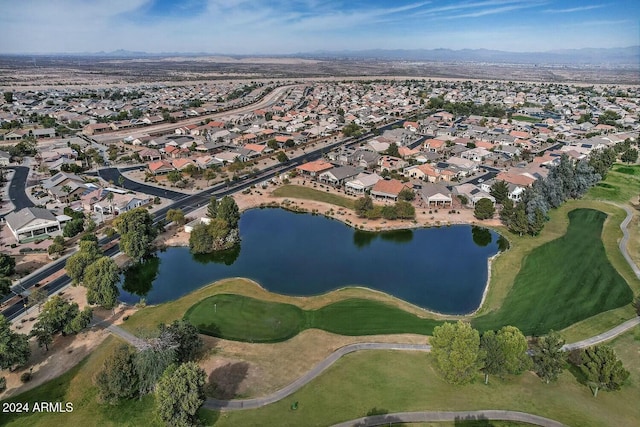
{"x":404,"y":381}
{"x":562,"y":282}
{"x":621,"y":185}
{"x":241,"y":318}
{"x":302,"y":192}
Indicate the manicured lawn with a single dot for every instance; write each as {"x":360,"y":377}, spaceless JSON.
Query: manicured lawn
{"x":621,"y":185}
{"x":406,"y":381}
{"x":243,"y":318}
{"x":562,"y":282}
{"x":302,"y":192}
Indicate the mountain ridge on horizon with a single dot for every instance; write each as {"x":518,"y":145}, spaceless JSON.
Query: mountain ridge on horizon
{"x":581,"y":56}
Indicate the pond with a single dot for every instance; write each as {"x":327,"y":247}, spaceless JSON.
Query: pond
{"x":442,"y":269}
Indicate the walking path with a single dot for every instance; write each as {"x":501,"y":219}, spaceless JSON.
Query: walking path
{"x":605,"y":336}
{"x":625,"y":239}
{"x":439,"y":416}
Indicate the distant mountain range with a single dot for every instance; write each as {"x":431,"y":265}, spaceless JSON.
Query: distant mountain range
{"x":629,"y":56}
{"x":611,"y":56}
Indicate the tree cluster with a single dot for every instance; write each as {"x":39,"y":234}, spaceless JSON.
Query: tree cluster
{"x":466,"y":108}
{"x":221,"y":232}
{"x":137,"y":232}
{"x":565,"y":181}
{"x":402,"y":209}
{"x":352,"y":129}
{"x":484,"y":209}
{"x":460,"y":351}
{"x":602,"y":368}
{"x":59,"y":316}
{"x":97,"y":272}
{"x":127,"y":373}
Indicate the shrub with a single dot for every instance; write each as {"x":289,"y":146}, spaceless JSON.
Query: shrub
{"x":3,"y":384}
{"x":25,"y":377}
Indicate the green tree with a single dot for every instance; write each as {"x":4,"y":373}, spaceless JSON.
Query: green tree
{"x":174,"y":176}
{"x":14,"y":347}
{"x":137,"y":232}
{"x":180,"y":393}
{"x":100,"y":279}
{"x":212,"y":208}
{"x":500,"y":191}
{"x":8,"y":97}
{"x":206,"y":238}
{"x":150,"y":363}
{"x":185,"y":337}
{"x":603,"y":368}
{"x":404,"y":210}
{"x":118,"y":378}
{"x":7,"y":265}
{"x":363,"y":205}
{"x":456,"y":349}
{"x":282,"y":157}
{"x":352,"y":129}
{"x":80,"y":322}
{"x":56,"y":314}
{"x":273,"y":144}
{"x":393,"y":150}
{"x":548,"y":356}
{"x":38,"y":297}
{"x":5,"y":285}
{"x":513,"y":345}
{"x":67,"y":190}
{"x":493,"y":360}
{"x":209,"y":174}
{"x":630,"y":156}
{"x":73,"y":228}
{"x":484,"y":209}
{"x":406,"y":194}
{"x":519,"y":223}
{"x":175,"y":215}
{"x":228,"y":211}
{"x":537,"y":225}
{"x":43,"y":334}
{"x":78,"y":262}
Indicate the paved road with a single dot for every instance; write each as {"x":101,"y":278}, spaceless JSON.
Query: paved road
{"x":17,"y":188}
{"x":625,"y":239}
{"x":113,"y":175}
{"x":440,"y":416}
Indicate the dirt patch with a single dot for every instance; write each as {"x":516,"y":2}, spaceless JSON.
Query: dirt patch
{"x":28,"y":263}
{"x":65,"y":352}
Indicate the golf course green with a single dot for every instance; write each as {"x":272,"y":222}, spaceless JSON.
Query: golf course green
{"x":242,"y":318}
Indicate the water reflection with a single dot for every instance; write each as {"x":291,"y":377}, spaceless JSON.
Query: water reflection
{"x":226,"y":257}
{"x":481,"y":236}
{"x":139,"y":278}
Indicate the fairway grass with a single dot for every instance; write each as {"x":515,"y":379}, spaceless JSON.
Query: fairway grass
{"x":302,"y":192}
{"x":241,"y":318}
{"x":562,"y":282}
{"x":395,"y":381}
{"x":621,"y":185}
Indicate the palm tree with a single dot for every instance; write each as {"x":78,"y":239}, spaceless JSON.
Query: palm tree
{"x":66,"y":189}
{"x":110,"y":199}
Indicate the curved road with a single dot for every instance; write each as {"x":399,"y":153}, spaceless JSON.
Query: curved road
{"x":439,"y":416}
{"x":17,"y":188}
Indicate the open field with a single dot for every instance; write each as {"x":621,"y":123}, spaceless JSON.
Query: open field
{"x":242,"y":318}
{"x":300,"y":192}
{"x":562,"y":282}
{"x":526,"y":119}
{"x":404,"y":381}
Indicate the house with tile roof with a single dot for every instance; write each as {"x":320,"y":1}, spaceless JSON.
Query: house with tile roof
{"x":314,"y":168}
{"x":388,"y":189}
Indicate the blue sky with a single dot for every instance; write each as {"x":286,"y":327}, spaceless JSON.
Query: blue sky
{"x":290,"y":26}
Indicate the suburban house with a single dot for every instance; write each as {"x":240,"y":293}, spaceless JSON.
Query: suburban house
{"x":472,"y":193}
{"x":204,"y":162}
{"x":388,"y":189}
{"x":425,"y":172}
{"x":65,"y":186}
{"x":122,"y":202}
{"x":160,"y":167}
{"x":362,"y":183}
{"x":149,"y":154}
{"x":29,"y":223}
{"x":436,"y":195}
{"x":338,"y":175}
{"x":390,"y":163}
{"x":315,"y":168}
{"x":96,"y":128}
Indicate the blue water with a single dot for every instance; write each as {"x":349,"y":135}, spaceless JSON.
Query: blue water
{"x":442,"y":269}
